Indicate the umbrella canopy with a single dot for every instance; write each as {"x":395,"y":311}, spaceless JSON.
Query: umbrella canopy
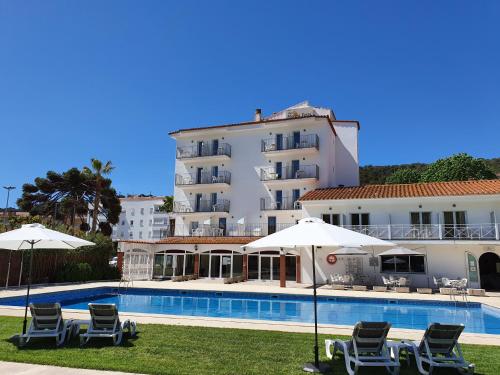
{"x":40,"y":237}
{"x":349,"y":251}
{"x":399,"y":251}
{"x":36,"y":236}
{"x":311,"y":233}
{"x":315,"y":232}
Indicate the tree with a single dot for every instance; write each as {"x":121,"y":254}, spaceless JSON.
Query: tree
{"x":404,"y":176}
{"x":95,"y":173}
{"x":168,"y":204}
{"x":56,"y":194}
{"x":459,"y":167}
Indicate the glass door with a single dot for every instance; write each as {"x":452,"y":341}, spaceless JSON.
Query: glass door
{"x":168,"y":269}
{"x":226,"y":266}
{"x":158,"y":265}
{"x":215,"y":266}
{"x":275,"y":267}
{"x":265,"y":268}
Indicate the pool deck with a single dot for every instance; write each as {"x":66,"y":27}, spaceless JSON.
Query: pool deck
{"x":492,"y":299}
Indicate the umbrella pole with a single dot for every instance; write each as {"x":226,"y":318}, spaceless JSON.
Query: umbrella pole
{"x":8,"y":271}
{"x":28,"y":292}
{"x":316,"y":367}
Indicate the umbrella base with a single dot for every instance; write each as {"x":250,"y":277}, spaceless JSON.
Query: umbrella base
{"x":310,"y":367}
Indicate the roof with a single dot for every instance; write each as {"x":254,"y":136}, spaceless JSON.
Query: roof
{"x":138,"y":199}
{"x":180,"y":240}
{"x":263,"y":121}
{"x":429,"y":189}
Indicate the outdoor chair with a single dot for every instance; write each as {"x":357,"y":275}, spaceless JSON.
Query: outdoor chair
{"x":368,"y":347}
{"x":439,"y":347}
{"x":402,"y":281}
{"x":438,"y":282}
{"x":105,"y":322}
{"x":47,"y":321}
{"x":388,"y":282}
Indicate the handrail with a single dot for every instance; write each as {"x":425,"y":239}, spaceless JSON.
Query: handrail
{"x":290,"y":143}
{"x":204,"y":150}
{"x":289,"y":172}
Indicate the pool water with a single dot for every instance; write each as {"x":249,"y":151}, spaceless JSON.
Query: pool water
{"x":477,"y":318}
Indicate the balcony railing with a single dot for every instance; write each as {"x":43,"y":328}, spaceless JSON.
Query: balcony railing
{"x":290,"y":143}
{"x":203,"y":151}
{"x":223,"y":177}
{"x":159,"y":212}
{"x":203,"y":205}
{"x":160,"y":224}
{"x":429,"y":231}
{"x":289,"y":173}
{"x":230,"y":230}
{"x":286,"y":203}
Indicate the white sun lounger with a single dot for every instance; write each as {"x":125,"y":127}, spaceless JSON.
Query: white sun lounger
{"x":439,"y":348}
{"x":105,"y":322}
{"x":47,"y":321}
{"x":367,"y":348}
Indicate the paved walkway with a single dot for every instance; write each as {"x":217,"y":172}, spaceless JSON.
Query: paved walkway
{"x":13,"y":368}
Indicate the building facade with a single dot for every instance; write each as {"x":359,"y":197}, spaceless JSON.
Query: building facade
{"x":237,"y":182}
{"x":141,"y":219}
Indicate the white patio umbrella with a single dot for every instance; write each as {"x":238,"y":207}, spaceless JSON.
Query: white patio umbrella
{"x":399,"y":251}
{"x":310,"y":233}
{"x":349,"y":251}
{"x":36,"y":236}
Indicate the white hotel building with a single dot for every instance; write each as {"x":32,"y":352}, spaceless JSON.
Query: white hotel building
{"x":237,"y":182}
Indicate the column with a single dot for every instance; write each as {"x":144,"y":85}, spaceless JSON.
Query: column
{"x":245,"y":266}
{"x":119,"y":261}
{"x":297,"y":269}
{"x":282,"y":271}
{"x":196,"y":264}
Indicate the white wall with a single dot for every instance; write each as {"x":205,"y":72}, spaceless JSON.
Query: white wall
{"x":346,"y":154}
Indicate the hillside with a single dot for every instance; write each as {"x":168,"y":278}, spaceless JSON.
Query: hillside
{"x":376,"y":174}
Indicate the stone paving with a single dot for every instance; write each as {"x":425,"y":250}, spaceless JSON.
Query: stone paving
{"x":12,"y":368}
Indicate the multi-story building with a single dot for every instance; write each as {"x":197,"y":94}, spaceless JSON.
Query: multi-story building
{"x":237,"y":182}
{"x":141,"y":219}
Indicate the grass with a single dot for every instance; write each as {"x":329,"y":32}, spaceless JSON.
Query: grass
{"x":162,"y":349}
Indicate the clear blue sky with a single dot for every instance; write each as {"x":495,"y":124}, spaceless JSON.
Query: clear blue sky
{"x":110,"y":79}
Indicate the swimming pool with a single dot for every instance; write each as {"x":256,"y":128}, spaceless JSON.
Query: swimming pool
{"x":478,"y":318}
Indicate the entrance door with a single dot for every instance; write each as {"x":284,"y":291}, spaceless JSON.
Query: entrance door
{"x":226,"y":266}
{"x":169,"y":266}
{"x":489,"y":271}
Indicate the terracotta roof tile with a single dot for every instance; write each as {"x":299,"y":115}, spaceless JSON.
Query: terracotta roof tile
{"x":430,"y":189}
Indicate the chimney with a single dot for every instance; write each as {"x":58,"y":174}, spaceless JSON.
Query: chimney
{"x":258,"y":114}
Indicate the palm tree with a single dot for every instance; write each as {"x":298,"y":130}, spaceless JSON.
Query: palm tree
{"x":97,"y":170}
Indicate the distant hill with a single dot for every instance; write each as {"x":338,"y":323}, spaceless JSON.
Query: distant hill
{"x":376,"y":174}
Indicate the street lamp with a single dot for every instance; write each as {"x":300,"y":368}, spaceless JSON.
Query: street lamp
{"x":8,"y":188}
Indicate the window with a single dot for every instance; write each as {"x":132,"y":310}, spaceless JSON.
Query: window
{"x":360,"y":219}
{"x":142,"y":211}
{"x":279,"y":199}
{"x":403,"y":264}
{"x":455,"y":224}
{"x":141,"y":223}
{"x":333,"y":219}
{"x":123,"y":222}
{"x":131,"y":223}
{"x":215,"y":147}
{"x":132,"y":212}
{"x":140,"y":235}
{"x":295,"y":196}
{"x":130,"y":234}
{"x":420,"y":218}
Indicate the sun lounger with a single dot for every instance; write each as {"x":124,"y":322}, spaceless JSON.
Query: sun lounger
{"x":368,"y":347}
{"x":47,"y":321}
{"x":105,"y":322}
{"x":439,"y":348}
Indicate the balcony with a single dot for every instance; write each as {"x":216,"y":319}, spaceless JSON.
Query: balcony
{"x":231,"y":230}
{"x":304,"y":172}
{"x":188,"y":181}
{"x":429,"y":231}
{"x":290,"y":145}
{"x":195,"y":152}
{"x":203,"y":205}
{"x":286,"y":203}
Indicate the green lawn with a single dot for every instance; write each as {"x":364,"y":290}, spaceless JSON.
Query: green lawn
{"x":161,"y":349}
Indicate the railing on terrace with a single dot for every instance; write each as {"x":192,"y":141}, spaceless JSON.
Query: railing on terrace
{"x":203,"y":205}
{"x":230,"y":230}
{"x":159,"y":212}
{"x":196,"y":151}
{"x":223,"y":177}
{"x":289,"y":172}
{"x":160,"y":224}
{"x":290,"y":143}
{"x":429,"y":231}
{"x":286,"y":203}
